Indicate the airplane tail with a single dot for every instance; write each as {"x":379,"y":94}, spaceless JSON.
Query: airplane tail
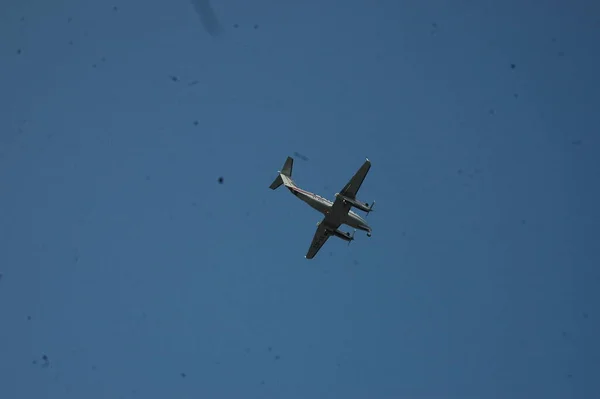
{"x":284,"y":175}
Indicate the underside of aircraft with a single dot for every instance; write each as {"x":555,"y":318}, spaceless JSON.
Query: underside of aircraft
{"x":335,"y":212}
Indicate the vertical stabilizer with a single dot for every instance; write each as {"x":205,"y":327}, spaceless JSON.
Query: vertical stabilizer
{"x":284,"y":175}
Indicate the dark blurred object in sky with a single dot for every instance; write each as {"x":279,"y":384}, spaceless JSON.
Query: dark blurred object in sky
{"x":302,"y":157}
{"x":220,"y":180}
{"x":207,"y":16}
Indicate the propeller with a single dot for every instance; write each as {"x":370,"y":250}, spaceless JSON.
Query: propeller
{"x":371,"y":208}
{"x":352,"y":237}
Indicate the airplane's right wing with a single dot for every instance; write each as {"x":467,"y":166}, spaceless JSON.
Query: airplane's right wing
{"x":319,"y":239}
{"x":351,"y":188}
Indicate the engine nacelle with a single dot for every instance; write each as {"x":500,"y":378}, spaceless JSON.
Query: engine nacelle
{"x":356,"y":203}
{"x":343,"y":235}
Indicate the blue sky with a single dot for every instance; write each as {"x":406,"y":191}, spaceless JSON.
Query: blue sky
{"x":126,"y":263}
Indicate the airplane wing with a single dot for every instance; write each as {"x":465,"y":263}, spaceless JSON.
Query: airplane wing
{"x":351,"y":189}
{"x":319,"y":239}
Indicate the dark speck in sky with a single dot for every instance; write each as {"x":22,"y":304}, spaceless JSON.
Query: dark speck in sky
{"x":277,"y":357}
{"x":28,"y":317}
{"x":115,"y":8}
{"x":174,"y":78}
{"x":303,"y":157}
{"x":183,"y":375}
{"x":195,"y":123}
{"x":256,"y":26}
{"x":18,"y":51}
{"x":69,"y":19}
{"x":221,"y":180}
{"x":207,"y":16}
{"x":236,"y":26}
{"x":576,"y":142}
{"x":512,"y":66}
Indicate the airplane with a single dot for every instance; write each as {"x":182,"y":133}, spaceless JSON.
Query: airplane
{"x":336,"y":213}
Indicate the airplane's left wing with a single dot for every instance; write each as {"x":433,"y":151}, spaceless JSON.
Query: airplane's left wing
{"x":318,"y":241}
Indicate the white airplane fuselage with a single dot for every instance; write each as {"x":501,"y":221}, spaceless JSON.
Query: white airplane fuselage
{"x":324,"y":205}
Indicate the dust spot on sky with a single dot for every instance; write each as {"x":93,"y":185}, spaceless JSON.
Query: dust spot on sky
{"x":220,"y":180}
{"x":207,"y":16}
{"x":302,"y":157}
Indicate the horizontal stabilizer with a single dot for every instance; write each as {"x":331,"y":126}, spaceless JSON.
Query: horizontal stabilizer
{"x":276,"y":183}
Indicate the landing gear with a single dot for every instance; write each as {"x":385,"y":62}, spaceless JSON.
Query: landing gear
{"x":369,"y":234}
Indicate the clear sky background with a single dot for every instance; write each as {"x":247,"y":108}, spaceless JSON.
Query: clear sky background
{"x":138,"y":275}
